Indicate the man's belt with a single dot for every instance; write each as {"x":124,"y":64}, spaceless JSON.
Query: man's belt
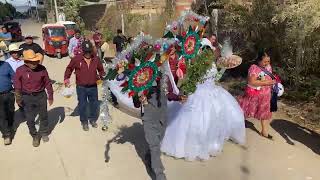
{"x":6,"y":92}
{"x":32,"y":93}
{"x":88,"y":86}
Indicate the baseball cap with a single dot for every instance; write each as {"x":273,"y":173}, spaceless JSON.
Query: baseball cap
{"x":87,"y":46}
{"x":28,"y":36}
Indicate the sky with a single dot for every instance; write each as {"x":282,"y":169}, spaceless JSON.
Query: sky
{"x":19,"y":2}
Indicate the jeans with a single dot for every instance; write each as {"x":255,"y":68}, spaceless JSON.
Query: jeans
{"x":88,"y":96}
{"x":7,"y":113}
{"x":36,"y":105}
{"x":113,"y":98}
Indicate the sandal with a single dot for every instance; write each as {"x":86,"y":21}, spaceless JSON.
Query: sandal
{"x":268,"y":137}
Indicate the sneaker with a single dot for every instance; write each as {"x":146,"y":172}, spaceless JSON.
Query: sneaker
{"x":45,"y":138}
{"x":85,"y":127}
{"x":7,"y":141}
{"x":94,"y":124}
{"x":36,"y":141}
{"x":104,"y":128}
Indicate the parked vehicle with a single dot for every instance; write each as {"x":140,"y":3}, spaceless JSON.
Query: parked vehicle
{"x":70,"y":27}
{"x":15,"y":29}
{"x":55,"y":40}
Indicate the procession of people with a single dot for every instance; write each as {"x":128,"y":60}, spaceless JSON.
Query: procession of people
{"x":183,"y":123}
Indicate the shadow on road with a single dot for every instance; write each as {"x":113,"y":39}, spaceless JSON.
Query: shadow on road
{"x":135,"y":136}
{"x":55,"y":116}
{"x":293,"y":132}
{"x":250,"y":125}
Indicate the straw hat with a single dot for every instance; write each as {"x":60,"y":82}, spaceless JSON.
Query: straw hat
{"x":30,"y":55}
{"x":14,"y":48}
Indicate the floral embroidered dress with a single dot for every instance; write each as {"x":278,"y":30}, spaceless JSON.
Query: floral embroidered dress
{"x":258,"y":106}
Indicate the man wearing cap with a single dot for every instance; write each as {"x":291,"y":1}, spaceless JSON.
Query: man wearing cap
{"x":87,"y":66}
{"x":33,"y":88}
{"x":6,"y":101}
{"x":29,"y":44}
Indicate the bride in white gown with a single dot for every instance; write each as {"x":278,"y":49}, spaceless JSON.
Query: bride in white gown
{"x":198,"y":128}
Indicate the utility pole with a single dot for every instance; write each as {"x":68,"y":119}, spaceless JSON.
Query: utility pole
{"x":30,"y":9}
{"x":122,"y":23}
{"x":56,"y":9}
{"x":37,"y":10}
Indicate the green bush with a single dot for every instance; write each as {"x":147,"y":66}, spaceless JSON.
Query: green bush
{"x":107,"y":34}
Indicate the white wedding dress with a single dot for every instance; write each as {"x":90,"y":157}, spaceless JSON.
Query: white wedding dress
{"x":123,"y":98}
{"x":198,"y":128}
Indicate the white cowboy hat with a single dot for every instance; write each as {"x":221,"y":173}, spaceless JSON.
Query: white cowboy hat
{"x":14,"y":48}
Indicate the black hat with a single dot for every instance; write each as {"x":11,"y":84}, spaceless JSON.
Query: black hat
{"x":87,"y":46}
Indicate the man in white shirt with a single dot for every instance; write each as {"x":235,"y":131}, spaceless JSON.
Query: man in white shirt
{"x":74,"y":47}
{"x":15,"y":53}
{"x":15,"y":62}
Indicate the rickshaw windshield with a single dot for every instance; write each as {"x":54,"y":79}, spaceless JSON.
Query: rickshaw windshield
{"x":57,"y":32}
{"x":70,"y":26}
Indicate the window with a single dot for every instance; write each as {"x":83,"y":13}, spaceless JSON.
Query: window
{"x":70,"y":26}
{"x":57,"y":32}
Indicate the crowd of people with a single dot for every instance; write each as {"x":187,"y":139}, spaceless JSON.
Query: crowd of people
{"x":25,"y":80}
{"x":196,"y":128}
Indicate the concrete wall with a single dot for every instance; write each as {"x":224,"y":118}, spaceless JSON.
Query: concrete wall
{"x":91,"y":14}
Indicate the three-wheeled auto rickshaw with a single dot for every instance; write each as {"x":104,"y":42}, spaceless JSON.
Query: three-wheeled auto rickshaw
{"x":70,"y":27}
{"x":55,"y":40}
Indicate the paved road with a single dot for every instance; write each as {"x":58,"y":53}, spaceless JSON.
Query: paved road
{"x":72,"y":154}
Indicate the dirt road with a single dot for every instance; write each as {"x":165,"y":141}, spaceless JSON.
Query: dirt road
{"x":72,"y":154}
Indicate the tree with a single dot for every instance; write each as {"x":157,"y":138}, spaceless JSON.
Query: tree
{"x":302,"y":24}
{"x":72,"y":11}
{"x":7,"y":10}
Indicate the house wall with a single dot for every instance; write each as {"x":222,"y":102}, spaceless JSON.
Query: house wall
{"x":182,"y":5}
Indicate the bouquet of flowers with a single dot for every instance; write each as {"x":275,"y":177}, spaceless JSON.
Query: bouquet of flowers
{"x":196,"y":71}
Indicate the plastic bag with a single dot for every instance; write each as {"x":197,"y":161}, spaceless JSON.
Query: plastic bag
{"x":67,"y":92}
